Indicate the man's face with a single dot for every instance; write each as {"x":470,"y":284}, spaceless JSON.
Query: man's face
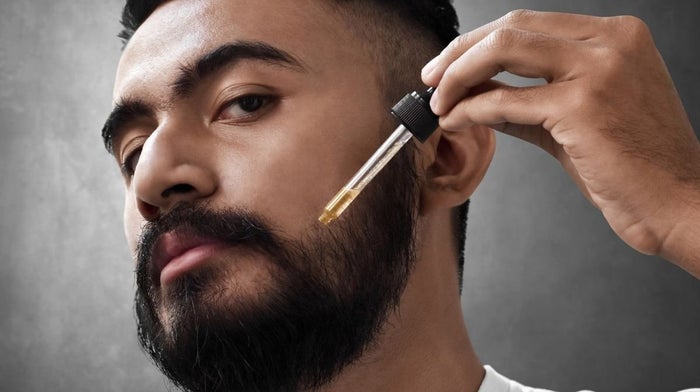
{"x":283,"y":161}
{"x":237,"y":124}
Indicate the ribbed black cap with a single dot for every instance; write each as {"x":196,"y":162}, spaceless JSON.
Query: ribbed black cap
{"x":414,"y":112}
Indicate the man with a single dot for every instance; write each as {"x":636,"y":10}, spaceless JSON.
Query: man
{"x":235,"y":123}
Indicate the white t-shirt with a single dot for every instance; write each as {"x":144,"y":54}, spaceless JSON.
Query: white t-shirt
{"x":494,"y":382}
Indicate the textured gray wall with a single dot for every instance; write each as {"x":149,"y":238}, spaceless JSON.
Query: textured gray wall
{"x":552,"y":297}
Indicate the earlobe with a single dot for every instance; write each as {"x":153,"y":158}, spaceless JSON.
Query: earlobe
{"x":455,"y":164}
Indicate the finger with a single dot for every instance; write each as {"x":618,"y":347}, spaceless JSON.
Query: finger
{"x":566,"y":26}
{"x":523,"y":112}
{"x":519,"y":52}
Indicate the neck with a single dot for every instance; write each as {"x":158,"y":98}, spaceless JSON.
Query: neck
{"x":424,"y":344}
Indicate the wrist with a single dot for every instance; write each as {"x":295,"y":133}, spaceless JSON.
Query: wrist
{"x":681,"y":244}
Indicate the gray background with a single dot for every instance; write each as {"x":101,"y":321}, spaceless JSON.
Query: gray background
{"x":552,"y":298}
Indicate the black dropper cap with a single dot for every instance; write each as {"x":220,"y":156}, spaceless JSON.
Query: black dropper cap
{"x":414,"y":112}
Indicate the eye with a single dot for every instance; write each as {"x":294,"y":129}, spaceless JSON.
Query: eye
{"x":244,"y":108}
{"x":128,"y":166}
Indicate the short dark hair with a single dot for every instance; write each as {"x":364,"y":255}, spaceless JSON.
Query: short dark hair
{"x":436,"y":16}
{"x":433,"y":22}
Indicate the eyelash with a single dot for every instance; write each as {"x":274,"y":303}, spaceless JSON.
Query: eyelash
{"x":264,"y":102}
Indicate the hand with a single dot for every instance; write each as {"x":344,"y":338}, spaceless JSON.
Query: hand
{"x":609,"y":113}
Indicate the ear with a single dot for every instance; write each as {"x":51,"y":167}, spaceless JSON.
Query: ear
{"x":454,"y":164}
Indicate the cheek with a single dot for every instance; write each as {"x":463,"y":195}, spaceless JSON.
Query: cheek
{"x":301,"y":174}
{"x":285,"y":184}
{"x":297,"y":187}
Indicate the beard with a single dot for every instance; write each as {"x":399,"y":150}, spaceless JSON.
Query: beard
{"x":327,"y":301}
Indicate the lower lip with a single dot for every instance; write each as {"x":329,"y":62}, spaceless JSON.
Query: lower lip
{"x":187,"y":261}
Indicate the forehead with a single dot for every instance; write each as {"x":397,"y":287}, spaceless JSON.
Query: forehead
{"x":179,"y":31}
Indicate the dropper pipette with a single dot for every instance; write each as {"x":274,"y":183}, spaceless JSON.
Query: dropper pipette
{"x":417,"y":120}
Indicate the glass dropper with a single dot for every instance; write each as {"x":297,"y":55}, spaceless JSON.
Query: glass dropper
{"x":417,"y":120}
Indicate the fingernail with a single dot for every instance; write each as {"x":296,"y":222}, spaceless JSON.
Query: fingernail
{"x":434,"y":100}
{"x":430,"y":67}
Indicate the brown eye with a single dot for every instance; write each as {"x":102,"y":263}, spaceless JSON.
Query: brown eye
{"x":243,"y":108}
{"x":251,"y":103}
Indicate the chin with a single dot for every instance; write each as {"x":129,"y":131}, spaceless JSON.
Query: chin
{"x":227,"y":288}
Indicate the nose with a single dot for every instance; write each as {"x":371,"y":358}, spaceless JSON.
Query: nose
{"x":174,"y":167}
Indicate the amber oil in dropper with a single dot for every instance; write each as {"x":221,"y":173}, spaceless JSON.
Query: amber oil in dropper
{"x":339,"y":203}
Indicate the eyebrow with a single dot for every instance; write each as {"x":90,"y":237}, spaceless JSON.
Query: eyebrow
{"x":123,"y":114}
{"x":229,"y":55}
{"x":191,"y":75}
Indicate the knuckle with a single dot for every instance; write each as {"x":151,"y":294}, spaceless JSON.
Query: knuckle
{"x":498,"y":38}
{"x":612,"y":62}
{"x":516,"y":17}
{"x":633,"y":24}
{"x":499,"y":97}
{"x":501,"y":38}
{"x":459,"y":44}
{"x":635,"y":27}
{"x":632,"y":31}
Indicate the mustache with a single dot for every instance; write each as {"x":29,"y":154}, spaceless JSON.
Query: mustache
{"x":233,"y":227}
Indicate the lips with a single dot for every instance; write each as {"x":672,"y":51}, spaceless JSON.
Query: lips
{"x":177,"y":252}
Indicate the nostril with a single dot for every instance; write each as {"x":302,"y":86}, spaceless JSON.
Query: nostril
{"x":177,"y":189}
{"x":148,"y":211}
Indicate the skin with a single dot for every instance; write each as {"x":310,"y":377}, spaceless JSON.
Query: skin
{"x":310,"y":149}
{"x":609,"y":113}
